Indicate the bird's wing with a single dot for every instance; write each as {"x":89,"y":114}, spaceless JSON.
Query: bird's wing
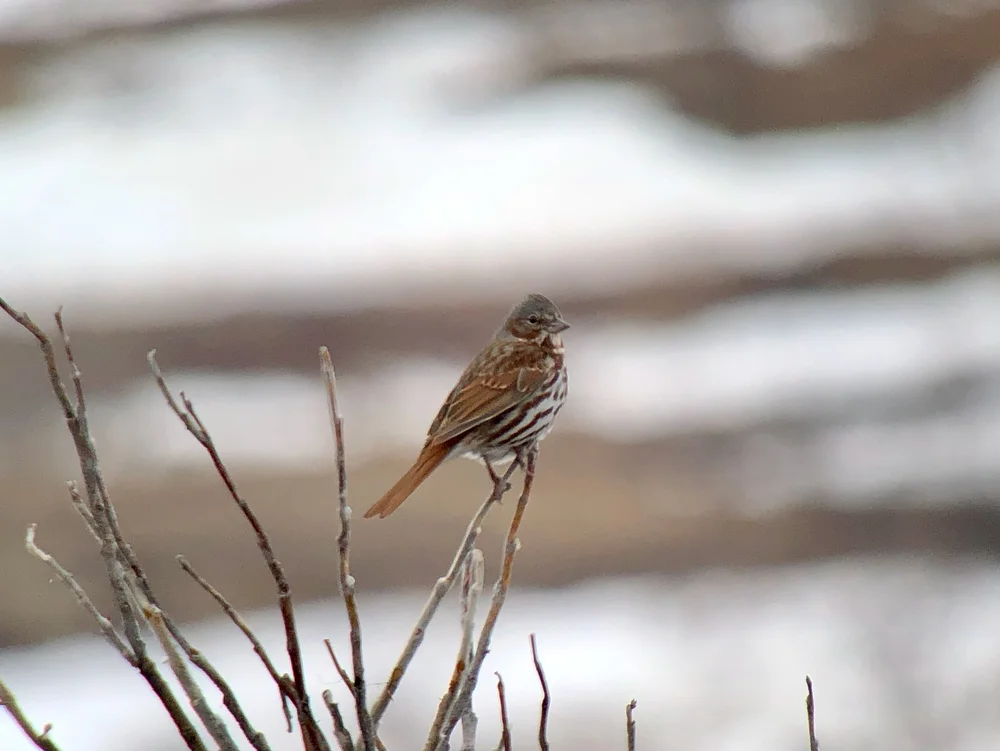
{"x":499,"y":378}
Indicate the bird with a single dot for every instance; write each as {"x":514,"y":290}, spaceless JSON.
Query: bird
{"x":503,"y":404}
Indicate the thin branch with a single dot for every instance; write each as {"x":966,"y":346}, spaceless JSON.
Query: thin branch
{"x":134,"y":577}
{"x":472,"y":588}
{"x":82,"y":510}
{"x":441,"y":588}
{"x":450,"y":706}
{"x":543,"y":741}
{"x":9,"y":702}
{"x":630,"y":725}
{"x":504,"y":719}
{"x":112,"y":548}
{"x":340,"y":668}
{"x":213,"y":724}
{"x":347,"y":584}
{"x":107,"y":628}
{"x":229,"y":700}
{"x":470,"y":726}
{"x":283,"y":690}
{"x":811,"y":715}
{"x":340,"y":731}
{"x":313,"y":738}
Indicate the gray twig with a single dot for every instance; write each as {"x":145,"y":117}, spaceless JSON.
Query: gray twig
{"x":347,"y":584}
{"x":107,"y":628}
{"x":441,"y":588}
{"x":340,"y":731}
{"x":283,"y":690}
{"x":113,"y":549}
{"x":472,"y":588}
{"x":450,"y":706}
{"x":312,"y":736}
{"x":9,"y":702}
{"x":213,"y":724}
{"x":82,"y":510}
{"x":811,"y":715}
{"x":543,"y":722}
{"x":630,"y":725}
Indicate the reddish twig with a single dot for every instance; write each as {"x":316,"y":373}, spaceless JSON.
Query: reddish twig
{"x":344,"y":677}
{"x":504,"y":719}
{"x":543,"y":741}
{"x":312,"y":737}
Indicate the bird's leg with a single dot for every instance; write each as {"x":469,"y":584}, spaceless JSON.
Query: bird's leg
{"x":521,"y":457}
{"x":500,"y":484}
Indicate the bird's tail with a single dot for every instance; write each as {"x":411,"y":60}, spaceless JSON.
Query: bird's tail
{"x":429,"y":460}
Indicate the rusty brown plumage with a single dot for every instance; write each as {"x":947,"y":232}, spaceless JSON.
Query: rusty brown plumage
{"x":505,"y":401}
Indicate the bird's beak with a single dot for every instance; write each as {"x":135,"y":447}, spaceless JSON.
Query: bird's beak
{"x":559,"y":326}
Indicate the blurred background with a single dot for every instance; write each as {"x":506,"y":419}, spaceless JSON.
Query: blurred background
{"x":774,"y":224}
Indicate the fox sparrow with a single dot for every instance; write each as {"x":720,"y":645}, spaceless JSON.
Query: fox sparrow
{"x":504,"y":402}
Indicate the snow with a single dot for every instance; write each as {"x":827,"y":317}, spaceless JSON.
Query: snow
{"x":716,"y":660}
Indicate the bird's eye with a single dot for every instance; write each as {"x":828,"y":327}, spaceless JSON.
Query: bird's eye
{"x":533,"y":318}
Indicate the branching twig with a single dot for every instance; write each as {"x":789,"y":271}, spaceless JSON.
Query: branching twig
{"x":347,"y":585}
{"x":630,"y":725}
{"x":107,"y":628}
{"x":283,"y":690}
{"x":215,"y":726}
{"x":9,"y":702}
{"x":441,"y":588}
{"x":82,"y":510}
{"x":811,"y":715}
{"x":104,"y":520}
{"x":504,"y":719}
{"x":451,"y":703}
{"x":313,"y":738}
{"x":543,"y":722}
{"x":340,"y":731}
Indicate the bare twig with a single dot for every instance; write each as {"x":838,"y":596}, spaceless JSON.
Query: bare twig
{"x":312,"y":737}
{"x":811,"y":715}
{"x":340,"y":731}
{"x":504,"y":719}
{"x":82,"y":510}
{"x":470,"y":726}
{"x":630,"y":725}
{"x":347,"y":584}
{"x":213,"y":724}
{"x":451,"y":704}
{"x":472,"y":588}
{"x":543,"y":741}
{"x":229,"y":700}
{"x":9,"y":702}
{"x":441,"y":588}
{"x":105,"y":523}
{"x":344,"y":677}
{"x":107,"y":628}
{"x":237,"y":619}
